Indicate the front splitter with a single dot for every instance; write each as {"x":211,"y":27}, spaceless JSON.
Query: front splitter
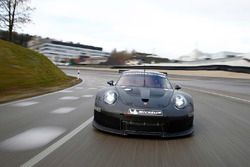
{"x":143,"y":133}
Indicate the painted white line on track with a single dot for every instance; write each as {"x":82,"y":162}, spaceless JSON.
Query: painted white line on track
{"x":31,"y":98}
{"x":66,"y":91}
{"x":87,"y":96}
{"x":69,"y":98}
{"x":218,"y":94}
{"x":78,"y":88}
{"x":32,"y":138}
{"x":25,"y":104}
{"x":63,"y":110}
{"x":56,"y":145}
{"x":92,"y":88}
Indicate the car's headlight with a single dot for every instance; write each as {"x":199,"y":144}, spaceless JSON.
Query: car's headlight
{"x":110,"y":97}
{"x":180,"y":101}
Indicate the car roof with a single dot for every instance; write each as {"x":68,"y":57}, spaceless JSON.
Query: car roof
{"x":147,"y":72}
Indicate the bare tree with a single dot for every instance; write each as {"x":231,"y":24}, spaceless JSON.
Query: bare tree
{"x":14,"y":13}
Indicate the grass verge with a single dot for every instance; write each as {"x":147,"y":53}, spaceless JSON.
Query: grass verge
{"x":31,"y":92}
{"x":25,"y":73}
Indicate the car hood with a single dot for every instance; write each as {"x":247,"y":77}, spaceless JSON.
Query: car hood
{"x":141,"y":97}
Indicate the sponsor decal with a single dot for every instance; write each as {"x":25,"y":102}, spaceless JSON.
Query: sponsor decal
{"x":133,"y":111}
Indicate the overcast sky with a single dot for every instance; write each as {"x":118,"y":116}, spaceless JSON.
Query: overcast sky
{"x":169,"y":28}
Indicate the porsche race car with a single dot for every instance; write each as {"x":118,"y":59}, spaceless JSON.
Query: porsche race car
{"x":144,"y":103}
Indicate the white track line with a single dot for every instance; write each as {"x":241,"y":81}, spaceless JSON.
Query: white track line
{"x":63,"y":110}
{"x":25,"y":104}
{"x":92,"y":88}
{"x":78,"y":88}
{"x":88,"y":96}
{"x":66,"y":91}
{"x":69,"y":98}
{"x":56,"y":145}
{"x":218,"y":94}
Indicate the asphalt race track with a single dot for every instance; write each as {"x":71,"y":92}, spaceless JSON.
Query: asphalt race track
{"x":55,"y":129}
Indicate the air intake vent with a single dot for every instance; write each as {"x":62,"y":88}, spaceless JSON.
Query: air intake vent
{"x":145,"y":100}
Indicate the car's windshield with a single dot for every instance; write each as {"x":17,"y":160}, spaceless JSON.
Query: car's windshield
{"x":151,"y":81}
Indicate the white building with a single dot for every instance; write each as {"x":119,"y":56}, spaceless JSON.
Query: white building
{"x":194,"y":56}
{"x":58,"y":51}
{"x":133,"y":62}
{"x":197,"y":55}
{"x":245,"y":56}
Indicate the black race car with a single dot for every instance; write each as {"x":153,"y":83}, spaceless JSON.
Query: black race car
{"x":144,"y":103}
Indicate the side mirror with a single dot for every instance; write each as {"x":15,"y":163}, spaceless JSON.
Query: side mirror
{"x":177,"y":87}
{"x":111,"y":83}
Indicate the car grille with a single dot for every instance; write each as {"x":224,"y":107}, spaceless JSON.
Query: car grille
{"x":107,"y":120}
{"x":143,"y":123}
{"x":143,"y":127}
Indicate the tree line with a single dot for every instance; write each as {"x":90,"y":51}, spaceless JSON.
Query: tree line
{"x":120,"y":57}
{"x":13,"y":14}
{"x":17,"y":38}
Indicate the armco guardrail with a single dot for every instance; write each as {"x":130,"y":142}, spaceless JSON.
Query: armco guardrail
{"x":209,"y":67}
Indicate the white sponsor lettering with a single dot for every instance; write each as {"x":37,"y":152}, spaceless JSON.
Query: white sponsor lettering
{"x":144,"y":112}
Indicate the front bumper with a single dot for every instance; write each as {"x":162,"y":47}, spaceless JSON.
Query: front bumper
{"x":143,"y":125}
